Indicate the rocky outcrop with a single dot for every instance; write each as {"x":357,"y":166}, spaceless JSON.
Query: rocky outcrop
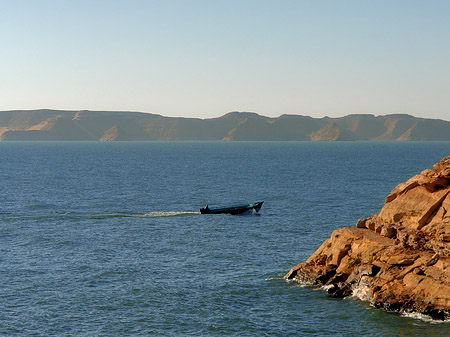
{"x":399,"y":259}
{"x":330,"y":132}
{"x":110,"y":134}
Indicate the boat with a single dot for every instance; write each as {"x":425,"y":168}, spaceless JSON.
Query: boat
{"x":239,"y":209}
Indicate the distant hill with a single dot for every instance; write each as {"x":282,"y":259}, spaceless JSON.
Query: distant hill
{"x":61,"y":125}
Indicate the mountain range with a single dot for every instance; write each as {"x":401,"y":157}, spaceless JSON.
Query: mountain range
{"x":63,"y":125}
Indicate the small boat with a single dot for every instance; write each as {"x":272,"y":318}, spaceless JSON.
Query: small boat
{"x":240,"y":209}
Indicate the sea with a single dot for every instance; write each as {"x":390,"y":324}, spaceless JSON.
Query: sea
{"x":106,"y":238}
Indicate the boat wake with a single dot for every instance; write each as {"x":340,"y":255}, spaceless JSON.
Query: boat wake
{"x":71,"y":215}
{"x":144,"y":215}
{"x":166,"y":214}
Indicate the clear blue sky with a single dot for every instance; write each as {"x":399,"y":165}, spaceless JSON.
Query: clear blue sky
{"x":203,"y":58}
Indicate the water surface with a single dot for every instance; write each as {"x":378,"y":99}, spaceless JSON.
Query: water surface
{"x":106,"y":238}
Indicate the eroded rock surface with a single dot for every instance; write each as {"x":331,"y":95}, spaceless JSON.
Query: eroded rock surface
{"x":399,"y":259}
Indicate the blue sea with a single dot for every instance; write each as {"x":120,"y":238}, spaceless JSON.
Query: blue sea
{"x":105,"y":238}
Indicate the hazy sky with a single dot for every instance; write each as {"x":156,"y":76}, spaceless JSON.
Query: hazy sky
{"x":203,"y":58}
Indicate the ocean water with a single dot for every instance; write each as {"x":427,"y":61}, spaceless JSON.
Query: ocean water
{"x":106,"y":239}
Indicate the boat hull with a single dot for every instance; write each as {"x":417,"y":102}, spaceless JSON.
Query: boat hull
{"x":234,"y":210}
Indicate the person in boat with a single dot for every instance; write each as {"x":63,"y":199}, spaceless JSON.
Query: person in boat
{"x":207,"y":207}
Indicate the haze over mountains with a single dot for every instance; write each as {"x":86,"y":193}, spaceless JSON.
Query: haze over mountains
{"x":61,"y":125}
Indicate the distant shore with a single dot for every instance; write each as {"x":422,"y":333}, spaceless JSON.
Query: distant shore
{"x":63,"y":125}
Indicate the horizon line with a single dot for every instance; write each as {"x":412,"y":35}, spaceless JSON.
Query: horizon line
{"x":226,"y":113}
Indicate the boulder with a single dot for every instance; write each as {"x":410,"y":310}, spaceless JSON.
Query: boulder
{"x":398,"y":259}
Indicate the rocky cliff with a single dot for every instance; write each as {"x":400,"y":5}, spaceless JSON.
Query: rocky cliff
{"x":330,"y":132}
{"x":399,"y":259}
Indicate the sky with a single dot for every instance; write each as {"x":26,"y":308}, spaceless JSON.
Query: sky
{"x":204,"y":58}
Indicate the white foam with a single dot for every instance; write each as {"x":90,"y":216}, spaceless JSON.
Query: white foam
{"x":362,"y":292}
{"x":327,"y":287}
{"x":165,"y":214}
{"x":301,"y":284}
{"x":143,"y":215}
{"x":422,"y":317}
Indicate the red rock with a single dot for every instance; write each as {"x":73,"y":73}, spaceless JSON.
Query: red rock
{"x":398,"y":259}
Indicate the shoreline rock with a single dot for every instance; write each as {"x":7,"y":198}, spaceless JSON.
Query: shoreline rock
{"x":397,"y":260}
